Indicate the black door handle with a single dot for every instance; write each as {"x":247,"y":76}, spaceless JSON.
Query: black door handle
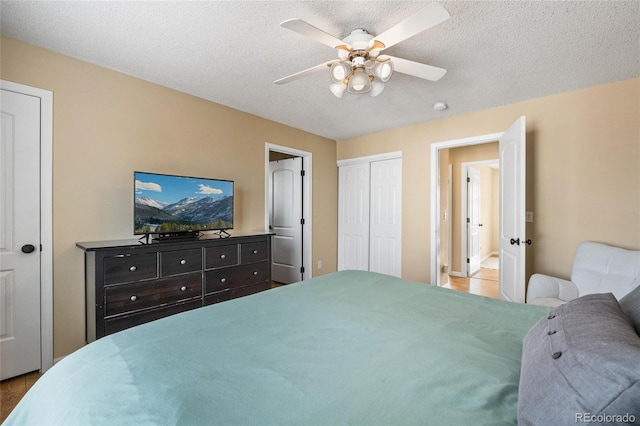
{"x":517,"y":241}
{"x":28,"y":248}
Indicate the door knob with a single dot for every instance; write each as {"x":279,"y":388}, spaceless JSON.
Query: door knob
{"x":517,"y":241}
{"x":28,"y":248}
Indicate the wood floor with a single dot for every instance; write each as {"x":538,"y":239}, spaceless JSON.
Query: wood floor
{"x":483,"y":283}
{"x":12,"y":391}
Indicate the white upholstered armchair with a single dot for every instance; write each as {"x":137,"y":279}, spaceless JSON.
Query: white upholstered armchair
{"x":597,"y":268}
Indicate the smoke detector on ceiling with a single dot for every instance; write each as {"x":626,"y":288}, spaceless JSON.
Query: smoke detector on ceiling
{"x":440,"y":106}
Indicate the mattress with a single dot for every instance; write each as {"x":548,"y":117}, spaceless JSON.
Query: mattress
{"x":350,"y":347}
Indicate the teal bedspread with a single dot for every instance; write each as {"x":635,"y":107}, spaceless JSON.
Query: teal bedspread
{"x":344,"y":348}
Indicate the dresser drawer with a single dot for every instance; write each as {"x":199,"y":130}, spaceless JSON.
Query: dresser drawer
{"x":122,"y":322}
{"x":234,"y":294}
{"x":130,"y":267}
{"x":221,"y":256}
{"x":252,"y":289}
{"x":230,"y":278}
{"x":218,"y":297}
{"x":221,"y":279}
{"x":255,"y":273}
{"x":180,"y":262}
{"x":253,"y":252}
{"x":144,"y":295}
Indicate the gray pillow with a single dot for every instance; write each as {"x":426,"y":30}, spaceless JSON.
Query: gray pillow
{"x":630,"y":305}
{"x":580,"y":364}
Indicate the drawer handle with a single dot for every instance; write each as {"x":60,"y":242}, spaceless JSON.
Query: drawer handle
{"x":255,"y":272}
{"x":134,"y":298}
{"x":223,"y":280}
{"x":223,"y":256}
{"x":183,"y":262}
{"x":133,"y":268}
{"x":255,"y":252}
{"x":183,"y":288}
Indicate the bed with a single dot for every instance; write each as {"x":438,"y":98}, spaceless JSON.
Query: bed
{"x":350,"y":347}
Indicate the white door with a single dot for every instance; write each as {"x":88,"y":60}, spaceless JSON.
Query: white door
{"x":473,"y":220}
{"x":19,"y":234}
{"x":353,"y":217}
{"x":286,"y":220}
{"x":385,"y":229}
{"x":512,"y":212}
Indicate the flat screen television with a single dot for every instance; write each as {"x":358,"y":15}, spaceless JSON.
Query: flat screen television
{"x":173,"y":205}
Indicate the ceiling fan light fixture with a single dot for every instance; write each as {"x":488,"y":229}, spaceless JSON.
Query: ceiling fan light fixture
{"x":337,"y":89}
{"x":339,"y":71}
{"x":383,"y":70}
{"x":376,"y":87}
{"x":359,"y":39}
{"x":361,"y":68}
{"x":359,"y":82}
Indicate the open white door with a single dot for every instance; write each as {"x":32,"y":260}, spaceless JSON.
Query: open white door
{"x":20,"y":350}
{"x":512,"y":146}
{"x":473,"y":220}
{"x":285,"y":220}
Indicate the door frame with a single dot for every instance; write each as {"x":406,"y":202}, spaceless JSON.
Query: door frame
{"x":435,"y":192}
{"x":464,"y":268}
{"x":46,"y":216}
{"x":465,"y":231}
{"x":307,"y":197}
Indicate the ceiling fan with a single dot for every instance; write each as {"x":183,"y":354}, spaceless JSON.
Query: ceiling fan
{"x":360,"y":68}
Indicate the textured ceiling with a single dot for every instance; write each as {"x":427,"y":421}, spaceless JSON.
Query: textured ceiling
{"x":230,"y":52}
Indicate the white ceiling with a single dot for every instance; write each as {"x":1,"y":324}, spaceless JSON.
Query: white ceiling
{"x":230,"y":52}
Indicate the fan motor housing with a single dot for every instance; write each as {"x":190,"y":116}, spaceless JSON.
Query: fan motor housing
{"x":359,"y":40}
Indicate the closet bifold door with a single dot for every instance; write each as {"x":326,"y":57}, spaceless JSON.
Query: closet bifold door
{"x":353,"y":217}
{"x":370,"y":216}
{"x":385,"y":217}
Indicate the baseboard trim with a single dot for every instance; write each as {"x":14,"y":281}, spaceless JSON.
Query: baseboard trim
{"x":493,"y":253}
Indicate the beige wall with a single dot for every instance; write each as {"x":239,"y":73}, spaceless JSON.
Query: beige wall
{"x":107,"y":124}
{"x":583,"y":166}
{"x":583,"y":172}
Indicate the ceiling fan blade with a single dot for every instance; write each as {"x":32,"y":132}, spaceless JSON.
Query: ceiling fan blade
{"x":416,"y":69}
{"x":308,"y":30}
{"x":302,"y":73}
{"x":426,"y":18}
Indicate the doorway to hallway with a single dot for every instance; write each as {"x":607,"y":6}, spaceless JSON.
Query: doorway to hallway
{"x":511,"y":156}
{"x":288,"y":182}
{"x":469,"y":203}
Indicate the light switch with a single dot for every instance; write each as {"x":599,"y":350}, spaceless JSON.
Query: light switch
{"x":529,"y":217}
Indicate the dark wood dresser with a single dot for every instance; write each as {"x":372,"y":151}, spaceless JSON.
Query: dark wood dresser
{"x":129,"y":282}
